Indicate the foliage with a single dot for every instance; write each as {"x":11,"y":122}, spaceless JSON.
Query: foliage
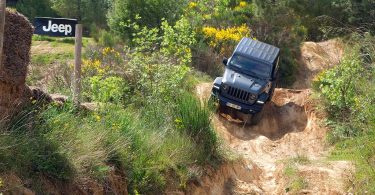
{"x":219,"y":12}
{"x":314,"y":15}
{"x":51,"y":63}
{"x":359,"y":150}
{"x":335,"y":17}
{"x":35,"y":8}
{"x":26,"y":153}
{"x":150,"y":12}
{"x":296,"y":182}
{"x":277,"y":24}
{"x":155,"y":75}
{"x":101,"y":61}
{"x":177,"y":40}
{"x":223,"y":40}
{"x":107,"y":39}
{"x":348,"y":93}
{"x":338,"y":85}
{"x":155,"y":67}
{"x":110,"y":89}
{"x":87,"y":11}
{"x":194,"y":119}
{"x":64,"y":144}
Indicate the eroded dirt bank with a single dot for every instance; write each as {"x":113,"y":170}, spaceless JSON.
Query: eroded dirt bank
{"x":316,"y":57}
{"x":290,"y":130}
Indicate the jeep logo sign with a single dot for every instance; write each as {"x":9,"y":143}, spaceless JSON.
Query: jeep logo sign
{"x":56,"y":27}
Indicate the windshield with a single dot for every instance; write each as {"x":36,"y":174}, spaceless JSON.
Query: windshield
{"x":249,"y":66}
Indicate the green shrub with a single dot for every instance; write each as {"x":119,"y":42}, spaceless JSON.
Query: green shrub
{"x":338,"y":85}
{"x":107,"y":39}
{"x":149,"y":13}
{"x":110,"y":89}
{"x":348,"y":95}
{"x":35,"y":8}
{"x":177,"y":40}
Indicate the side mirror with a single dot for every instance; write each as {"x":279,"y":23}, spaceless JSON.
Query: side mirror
{"x":225,"y":61}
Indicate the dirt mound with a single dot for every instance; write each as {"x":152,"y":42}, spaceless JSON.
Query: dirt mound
{"x":278,"y":120}
{"x":316,"y":57}
{"x":222,"y":180}
{"x":289,"y":131}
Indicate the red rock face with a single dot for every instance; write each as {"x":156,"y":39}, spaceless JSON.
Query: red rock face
{"x":13,"y":70}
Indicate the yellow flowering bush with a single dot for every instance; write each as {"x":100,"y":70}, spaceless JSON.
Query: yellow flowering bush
{"x":192,"y":5}
{"x":243,"y":4}
{"x":222,"y":39}
{"x":110,"y":51}
{"x":101,"y":63}
{"x":93,"y":67}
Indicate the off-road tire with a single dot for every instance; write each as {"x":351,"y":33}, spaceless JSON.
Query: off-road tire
{"x":213,"y":103}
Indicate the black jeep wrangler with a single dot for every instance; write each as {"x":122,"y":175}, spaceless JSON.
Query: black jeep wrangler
{"x":249,"y":79}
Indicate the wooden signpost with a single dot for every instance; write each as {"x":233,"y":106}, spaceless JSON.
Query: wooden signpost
{"x":63,"y":27}
{"x":77,"y":65}
{"x":2,"y":24}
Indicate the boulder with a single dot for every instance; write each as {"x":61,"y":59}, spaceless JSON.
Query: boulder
{"x":14,"y":93}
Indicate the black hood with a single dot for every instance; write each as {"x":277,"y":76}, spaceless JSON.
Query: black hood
{"x":244,"y":82}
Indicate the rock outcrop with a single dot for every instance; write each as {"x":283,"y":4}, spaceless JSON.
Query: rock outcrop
{"x":13,"y":69}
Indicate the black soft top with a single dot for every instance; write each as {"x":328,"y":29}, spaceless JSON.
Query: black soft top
{"x":257,"y":50}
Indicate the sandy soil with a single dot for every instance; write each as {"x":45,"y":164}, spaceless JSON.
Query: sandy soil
{"x":290,"y":128}
{"x":316,"y":57}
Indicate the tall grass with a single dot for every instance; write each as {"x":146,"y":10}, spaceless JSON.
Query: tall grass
{"x":194,"y":119}
{"x":146,"y":143}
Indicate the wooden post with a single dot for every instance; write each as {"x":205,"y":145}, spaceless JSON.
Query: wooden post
{"x":2,"y":24}
{"x":77,"y":66}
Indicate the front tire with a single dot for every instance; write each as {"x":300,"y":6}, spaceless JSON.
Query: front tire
{"x":213,"y":102}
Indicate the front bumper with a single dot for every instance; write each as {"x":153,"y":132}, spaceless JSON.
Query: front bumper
{"x":244,"y":108}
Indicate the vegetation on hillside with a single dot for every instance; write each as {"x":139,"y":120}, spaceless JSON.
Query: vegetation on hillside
{"x":140,"y":66}
{"x":348,"y":91}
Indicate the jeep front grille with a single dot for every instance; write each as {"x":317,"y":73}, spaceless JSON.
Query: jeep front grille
{"x":240,"y":95}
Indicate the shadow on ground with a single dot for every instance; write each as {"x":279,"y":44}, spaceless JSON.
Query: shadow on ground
{"x":276,"y":122}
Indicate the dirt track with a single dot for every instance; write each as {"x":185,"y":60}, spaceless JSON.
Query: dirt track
{"x":289,"y":130}
{"x":290,"y":134}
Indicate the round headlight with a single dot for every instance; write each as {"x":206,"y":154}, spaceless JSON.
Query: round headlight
{"x":252,"y":97}
{"x":225,"y":87}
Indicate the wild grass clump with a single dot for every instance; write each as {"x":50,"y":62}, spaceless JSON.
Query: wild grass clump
{"x":194,"y":119}
{"x":295,"y":181}
{"x":26,"y":152}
